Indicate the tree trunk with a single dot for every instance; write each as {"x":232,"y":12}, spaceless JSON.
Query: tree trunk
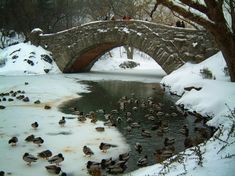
{"x":129,"y":51}
{"x":226,"y":44}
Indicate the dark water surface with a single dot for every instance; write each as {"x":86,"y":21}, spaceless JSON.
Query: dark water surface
{"x":106,"y":95}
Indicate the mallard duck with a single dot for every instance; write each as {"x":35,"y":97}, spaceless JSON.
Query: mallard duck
{"x":29,"y":158}
{"x":2,"y":173}
{"x":93,"y":117}
{"x":30,"y":138}
{"x":169,"y":141}
{"x":45,"y":154}
{"x":124,"y":156}
{"x":142,"y":161}
{"x":53,"y":169}
{"x":93,"y":168}
{"x":118,"y":169}
{"x":105,"y":146}
{"x":35,"y":125}
{"x":106,"y":162}
{"x":160,"y":131}
{"x":100,"y":129}
{"x":56,"y":159}
{"x":93,"y":164}
{"x":38,"y":141}
{"x":138,"y":147}
{"x":13,"y":141}
{"x":184,"y":130}
{"x":87,"y":151}
{"x":145,"y":133}
{"x":62,"y":122}
{"x":135,"y":125}
{"x":81,"y":118}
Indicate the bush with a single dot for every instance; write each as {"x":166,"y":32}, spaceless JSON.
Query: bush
{"x":128,"y":64}
{"x":206,"y":74}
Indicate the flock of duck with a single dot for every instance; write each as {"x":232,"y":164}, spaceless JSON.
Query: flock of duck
{"x":124,"y":117}
{"x":123,"y":114}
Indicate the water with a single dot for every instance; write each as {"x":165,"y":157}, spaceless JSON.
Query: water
{"x":106,"y":95}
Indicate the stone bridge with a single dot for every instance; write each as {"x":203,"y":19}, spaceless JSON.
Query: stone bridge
{"x":76,"y":49}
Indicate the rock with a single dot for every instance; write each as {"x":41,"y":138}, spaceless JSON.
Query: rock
{"x":46,"y":70}
{"x":46,"y":58}
{"x":26,"y":83}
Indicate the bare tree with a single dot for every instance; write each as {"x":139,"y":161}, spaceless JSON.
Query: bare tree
{"x":214,"y":16}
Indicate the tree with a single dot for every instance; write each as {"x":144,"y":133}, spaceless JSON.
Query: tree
{"x":216,"y":16}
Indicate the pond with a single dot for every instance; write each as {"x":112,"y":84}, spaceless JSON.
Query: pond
{"x":128,"y":103}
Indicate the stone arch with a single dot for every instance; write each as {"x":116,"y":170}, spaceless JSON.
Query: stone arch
{"x":76,"y":49}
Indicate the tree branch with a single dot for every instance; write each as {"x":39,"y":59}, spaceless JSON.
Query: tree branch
{"x":187,"y":14}
{"x":195,"y":5}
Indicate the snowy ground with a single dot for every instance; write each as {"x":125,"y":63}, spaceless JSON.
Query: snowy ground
{"x":216,"y":157}
{"x":216,"y":98}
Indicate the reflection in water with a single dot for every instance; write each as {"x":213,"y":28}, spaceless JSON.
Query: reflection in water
{"x":152,"y":106}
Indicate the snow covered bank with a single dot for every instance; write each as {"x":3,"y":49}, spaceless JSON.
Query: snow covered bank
{"x":17,"y":117}
{"x":23,"y":58}
{"x":215,"y":98}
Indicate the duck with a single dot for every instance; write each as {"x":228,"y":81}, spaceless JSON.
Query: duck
{"x":145,"y":133}
{"x":184,"y":130}
{"x":93,"y":117}
{"x":53,"y":169}
{"x":117,"y":169}
{"x":100,"y":129}
{"x":87,"y":151}
{"x":124,"y":156}
{"x":110,"y":123}
{"x":142,"y":161}
{"x":45,"y":154}
{"x":56,"y":159}
{"x":35,"y":125}
{"x":128,"y":129}
{"x":138,"y":147}
{"x":38,"y":141}
{"x":93,"y":164}
{"x":135,"y":125}
{"x":2,"y":173}
{"x":106,"y":162}
{"x":29,"y":158}
{"x":13,"y":141}
{"x":81,"y":118}
{"x":63,"y":174}
{"x":30,"y":138}
{"x":62,"y":121}
{"x":93,"y":168}
{"x":105,"y":146}
{"x":169,"y":141}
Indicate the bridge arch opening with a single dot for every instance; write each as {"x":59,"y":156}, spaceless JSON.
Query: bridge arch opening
{"x":116,"y":60}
